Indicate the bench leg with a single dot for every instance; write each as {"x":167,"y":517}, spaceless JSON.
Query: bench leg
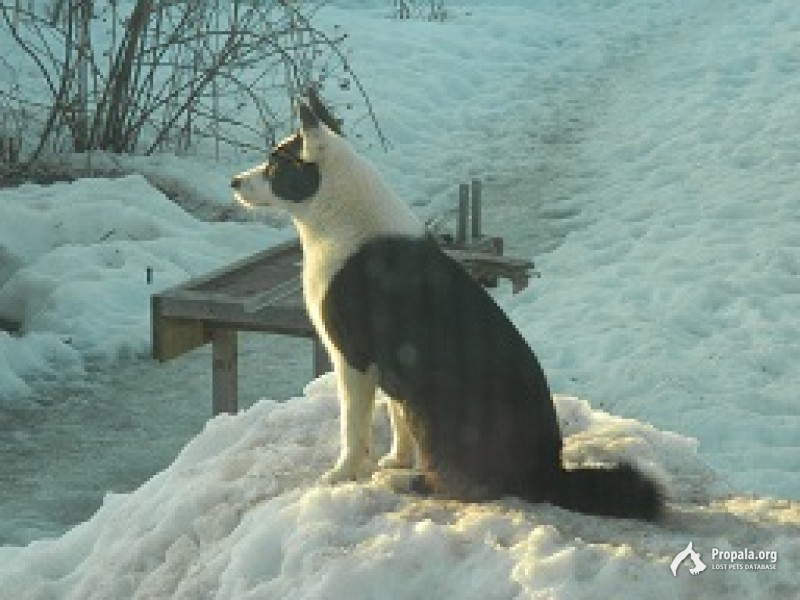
{"x":322,"y":363}
{"x":224,"y":375}
{"x":518,"y":284}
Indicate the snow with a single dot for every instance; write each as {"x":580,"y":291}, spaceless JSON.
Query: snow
{"x":693,"y":271}
{"x":238,"y":515}
{"x":74,"y":267}
{"x":644,"y":154}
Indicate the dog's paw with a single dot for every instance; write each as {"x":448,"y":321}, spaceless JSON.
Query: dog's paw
{"x":367,"y":467}
{"x":349,"y":470}
{"x":397,"y":480}
{"x":403,"y":481}
{"x":337,"y":474}
{"x":393,"y":461}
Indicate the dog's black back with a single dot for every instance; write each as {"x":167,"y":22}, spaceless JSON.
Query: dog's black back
{"x":476,"y":397}
{"x":478,"y":401}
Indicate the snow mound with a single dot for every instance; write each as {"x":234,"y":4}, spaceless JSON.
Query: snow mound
{"x":239,"y":515}
{"x":74,"y":259}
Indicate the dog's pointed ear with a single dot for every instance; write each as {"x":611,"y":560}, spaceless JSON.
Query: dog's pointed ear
{"x":322,"y":112}
{"x":311,"y":133}
{"x":308,"y":119}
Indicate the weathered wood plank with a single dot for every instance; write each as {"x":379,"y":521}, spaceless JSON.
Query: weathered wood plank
{"x":288,"y":252}
{"x":173,"y":336}
{"x":181,"y":316}
{"x":288,"y":320}
{"x":488,"y":267}
{"x":488,"y":260}
{"x":286,"y":291}
{"x":463,"y":214}
{"x":225,"y":371}
{"x":10,"y":326}
{"x":477,"y":208}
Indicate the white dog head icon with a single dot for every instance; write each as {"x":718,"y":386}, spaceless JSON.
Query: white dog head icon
{"x":699,"y":565}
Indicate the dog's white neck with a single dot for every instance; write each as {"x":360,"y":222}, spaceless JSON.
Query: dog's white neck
{"x":347,"y":212}
{"x":354,"y":208}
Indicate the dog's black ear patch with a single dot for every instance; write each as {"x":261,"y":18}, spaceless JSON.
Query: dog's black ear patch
{"x":296,"y":182}
{"x":292,"y":178}
{"x":323,"y":113}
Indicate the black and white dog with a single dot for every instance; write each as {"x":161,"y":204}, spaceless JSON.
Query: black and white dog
{"x":468,"y":399}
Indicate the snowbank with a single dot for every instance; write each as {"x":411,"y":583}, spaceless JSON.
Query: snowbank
{"x":238,"y":515}
{"x":678,"y":300}
{"x":73,"y":269}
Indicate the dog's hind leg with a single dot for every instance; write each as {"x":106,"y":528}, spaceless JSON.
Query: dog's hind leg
{"x":401,"y":454}
{"x":356,"y":401}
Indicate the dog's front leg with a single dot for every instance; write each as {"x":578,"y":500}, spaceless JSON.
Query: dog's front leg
{"x":356,"y":401}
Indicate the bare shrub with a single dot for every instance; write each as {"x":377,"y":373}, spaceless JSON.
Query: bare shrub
{"x":140,"y":76}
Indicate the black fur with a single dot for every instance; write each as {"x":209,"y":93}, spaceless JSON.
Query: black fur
{"x":292,"y":178}
{"x":476,"y":397}
{"x":307,"y":117}
{"x":319,"y":108}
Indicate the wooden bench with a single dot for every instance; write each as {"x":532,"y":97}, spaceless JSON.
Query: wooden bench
{"x":9,"y":326}
{"x":263,"y":292}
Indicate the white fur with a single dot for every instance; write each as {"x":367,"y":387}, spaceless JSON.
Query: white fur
{"x":353,"y":205}
{"x":403,"y":450}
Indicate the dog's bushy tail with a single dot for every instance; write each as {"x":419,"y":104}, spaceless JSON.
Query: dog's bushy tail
{"x":621,"y":491}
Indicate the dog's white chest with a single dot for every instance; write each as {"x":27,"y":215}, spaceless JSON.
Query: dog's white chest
{"x":320,"y":265}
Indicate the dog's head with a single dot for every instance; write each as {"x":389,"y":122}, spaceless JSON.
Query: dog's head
{"x":328,"y":188}
{"x":294,"y":172}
